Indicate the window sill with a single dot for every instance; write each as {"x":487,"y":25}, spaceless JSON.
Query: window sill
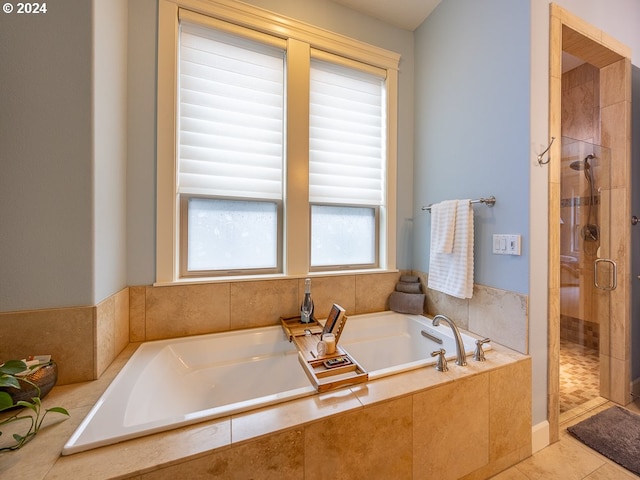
{"x":267,"y":277}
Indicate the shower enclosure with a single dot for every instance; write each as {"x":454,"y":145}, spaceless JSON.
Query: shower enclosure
{"x":587,"y":275}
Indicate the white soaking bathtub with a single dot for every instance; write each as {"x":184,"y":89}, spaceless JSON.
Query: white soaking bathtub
{"x":170,"y":383}
{"x":386,"y":343}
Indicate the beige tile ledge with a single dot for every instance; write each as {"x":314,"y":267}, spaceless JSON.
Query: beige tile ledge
{"x":40,"y":459}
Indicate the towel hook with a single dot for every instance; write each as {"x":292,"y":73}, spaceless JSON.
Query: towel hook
{"x":540,"y":162}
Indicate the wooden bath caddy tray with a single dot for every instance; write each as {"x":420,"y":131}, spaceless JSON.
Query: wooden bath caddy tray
{"x":326,"y":372}
{"x":293,"y":327}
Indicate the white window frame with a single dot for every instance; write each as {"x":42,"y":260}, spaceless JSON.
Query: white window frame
{"x":302,"y":39}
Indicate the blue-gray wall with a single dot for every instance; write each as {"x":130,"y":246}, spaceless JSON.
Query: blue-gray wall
{"x":472,"y":127}
{"x":46,"y":168}
{"x":141,"y":143}
{"x":63,"y":155}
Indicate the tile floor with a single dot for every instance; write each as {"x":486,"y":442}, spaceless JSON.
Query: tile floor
{"x":579,"y":375}
{"x":570,"y":459}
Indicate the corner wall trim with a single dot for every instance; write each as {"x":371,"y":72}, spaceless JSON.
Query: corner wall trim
{"x":539,"y":436}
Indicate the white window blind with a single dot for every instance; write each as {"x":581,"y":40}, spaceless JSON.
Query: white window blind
{"x":347,"y":132}
{"x":230,"y":115}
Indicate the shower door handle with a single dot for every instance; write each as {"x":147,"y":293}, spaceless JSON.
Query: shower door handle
{"x":614,"y":283}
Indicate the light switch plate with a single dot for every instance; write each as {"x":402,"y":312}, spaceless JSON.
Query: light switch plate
{"x":507,"y":244}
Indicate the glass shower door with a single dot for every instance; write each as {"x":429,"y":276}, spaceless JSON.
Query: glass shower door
{"x":587,"y":274}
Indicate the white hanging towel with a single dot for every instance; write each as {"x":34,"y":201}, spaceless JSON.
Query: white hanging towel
{"x":443,"y":225}
{"x":452,"y":273}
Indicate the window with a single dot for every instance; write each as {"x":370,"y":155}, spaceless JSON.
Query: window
{"x":347,"y":154}
{"x":230,"y":152}
{"x":275,"y":152}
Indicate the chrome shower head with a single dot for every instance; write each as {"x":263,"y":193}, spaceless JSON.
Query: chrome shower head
{"x":577,"y":165}
{"x":581,"y":165}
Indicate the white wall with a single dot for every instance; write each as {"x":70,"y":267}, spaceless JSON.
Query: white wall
{"x":46,"y":230}
{"x":109,"y":146}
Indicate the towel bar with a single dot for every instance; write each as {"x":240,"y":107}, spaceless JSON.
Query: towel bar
{"x":490,"y":202}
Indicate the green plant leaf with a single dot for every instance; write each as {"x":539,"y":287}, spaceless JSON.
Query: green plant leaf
{"x":58,"y":410}
{"x":5,"y":401}
{"x":23,"y":403}
{"x":9,"y":381}
{"x":11,"y":367}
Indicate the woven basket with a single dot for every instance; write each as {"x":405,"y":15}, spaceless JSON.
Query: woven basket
{"x":45,"y":378}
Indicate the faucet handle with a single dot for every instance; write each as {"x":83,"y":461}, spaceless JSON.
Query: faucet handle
{"x":441,"y":364}
{"x":478,"y":355}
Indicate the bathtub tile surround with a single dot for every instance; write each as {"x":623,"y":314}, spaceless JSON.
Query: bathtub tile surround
{"x":65,"y":333}
{"x":498,"y":314}
{"x":326,"y":291}
{"x":258,"y":423}
{"x":284,"y":459}
{"x":376,"y":424}
{"x":445,"y":413}
{"x":112,"y":328}
{"x":248,"y":304}
{"x":372,"y":291}
{"x":137,"y":314}
{"x":509,"y":412}
{"x":457,"y":309}
{"x":178,"y":311}
{"x":82,"y":340}
{"x":257,"y":304}
{"x":373,"y":442}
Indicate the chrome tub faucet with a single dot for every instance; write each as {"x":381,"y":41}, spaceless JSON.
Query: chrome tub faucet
{"x":461,"y":356}
{"x":478,"y":355}
{"x":441,"y":363}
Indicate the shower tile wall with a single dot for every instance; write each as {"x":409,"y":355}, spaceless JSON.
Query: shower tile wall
{"x":581,"y":103}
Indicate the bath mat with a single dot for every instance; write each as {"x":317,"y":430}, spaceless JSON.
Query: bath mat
{"x":615,"y":433}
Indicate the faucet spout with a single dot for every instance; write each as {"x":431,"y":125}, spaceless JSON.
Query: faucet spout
{"x":461,"y":356}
